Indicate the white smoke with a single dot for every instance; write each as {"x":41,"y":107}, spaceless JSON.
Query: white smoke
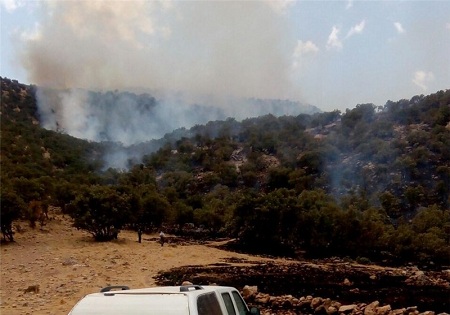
{"x":215,"y":50}
{"x":206,"y":47}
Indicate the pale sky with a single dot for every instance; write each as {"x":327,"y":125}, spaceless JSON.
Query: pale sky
{"x":331,"y":54}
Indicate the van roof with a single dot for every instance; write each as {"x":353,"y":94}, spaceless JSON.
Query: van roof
{"x":132,"y":304}
{"x":168,"y":300}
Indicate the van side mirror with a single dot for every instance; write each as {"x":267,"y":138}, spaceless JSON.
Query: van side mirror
{"x":254,"y":311}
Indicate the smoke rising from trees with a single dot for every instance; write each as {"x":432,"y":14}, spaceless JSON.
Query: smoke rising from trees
{"x":226,"y":48}
{"x":184,"y":53}
{"x":210,"y":53}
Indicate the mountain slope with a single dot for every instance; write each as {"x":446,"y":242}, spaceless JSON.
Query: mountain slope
{"x":307,"y":183}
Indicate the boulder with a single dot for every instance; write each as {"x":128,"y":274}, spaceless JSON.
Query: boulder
{"x":371,"y":308}
{"x":287,"y":303}
{"x":332,"y":310}
{"x":249,"y":291}
{"x":383,"y":310}
{"x":303,"y":304}
{"x":321,"y":309}
{"x":262,"y":298}
{"x":316,"y":302}
{"x":347,"y":282}
{"x":399,"y":311}
{"x":347,"y":308}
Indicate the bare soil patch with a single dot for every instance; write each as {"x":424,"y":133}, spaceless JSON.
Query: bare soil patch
{"x":47,"y":271}
{"x":67,"y":264}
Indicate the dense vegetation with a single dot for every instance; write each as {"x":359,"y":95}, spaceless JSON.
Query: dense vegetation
{"x":372,"y":183}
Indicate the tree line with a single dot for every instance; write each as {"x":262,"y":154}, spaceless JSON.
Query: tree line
{"x":371,"y":183}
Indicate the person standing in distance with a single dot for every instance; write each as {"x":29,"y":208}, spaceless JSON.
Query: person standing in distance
{"x":162,"y":238}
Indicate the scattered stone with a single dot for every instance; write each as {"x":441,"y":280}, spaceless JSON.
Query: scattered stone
{"x":316,"y":302}
{"x":249,"y":292}
{"x":288,"y":304}
{"x":347,"y":308}
{"x":400,"y":311}
{"x":332,"y":310}
{"x":69,"y":262}
{"x":370,"y":309}
{"x":262,"y":298}
{"x":384,"y":310}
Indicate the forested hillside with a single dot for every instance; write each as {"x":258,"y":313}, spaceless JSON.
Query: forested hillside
{"x":372,"y":183}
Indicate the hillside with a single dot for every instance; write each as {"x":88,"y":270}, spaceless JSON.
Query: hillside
{"x":310,"y":185}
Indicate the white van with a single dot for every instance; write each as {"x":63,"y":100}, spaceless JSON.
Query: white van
{"x":176,"y":300}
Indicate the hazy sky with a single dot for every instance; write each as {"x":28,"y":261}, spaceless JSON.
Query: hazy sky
{"x":332,"y":54}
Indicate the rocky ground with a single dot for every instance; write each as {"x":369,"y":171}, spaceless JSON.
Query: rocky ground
{"x":307,"y":287}
{"x":47,"y":271}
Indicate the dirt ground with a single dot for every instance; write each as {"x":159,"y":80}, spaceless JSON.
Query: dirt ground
{"x":67,"y":264}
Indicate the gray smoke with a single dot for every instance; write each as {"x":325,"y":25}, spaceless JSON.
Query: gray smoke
{"x":190,"y":52}
{"x":205,"y":47}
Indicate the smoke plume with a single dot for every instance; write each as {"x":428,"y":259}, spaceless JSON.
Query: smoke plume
{"x":205,"y":47}
{"x":218,"y":51}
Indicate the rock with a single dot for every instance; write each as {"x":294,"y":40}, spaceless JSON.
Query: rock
{"x":370,"y":308}
{"x":320,"y":310}
{"x":275,"y":301}
{"x":327,"y":303}
{"x":347,"y":308}
{"x":347,"y":282}
{"x":303,"y":303}
{"x":383,"y":310}
{"x":411,"y":309}
{"x":69,"y":262}
{"x":262,"y":298}
{"x":287,"y":303}
{"x":399,"y":311}
{"x":316,"y":302}
{"x":331,"y":310}
{"x":419,"y":278}
{"x":336,"y":304}
{"x":249,"y":291}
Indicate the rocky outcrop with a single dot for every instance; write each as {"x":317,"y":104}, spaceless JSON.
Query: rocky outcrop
{"x":288,"y":304}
